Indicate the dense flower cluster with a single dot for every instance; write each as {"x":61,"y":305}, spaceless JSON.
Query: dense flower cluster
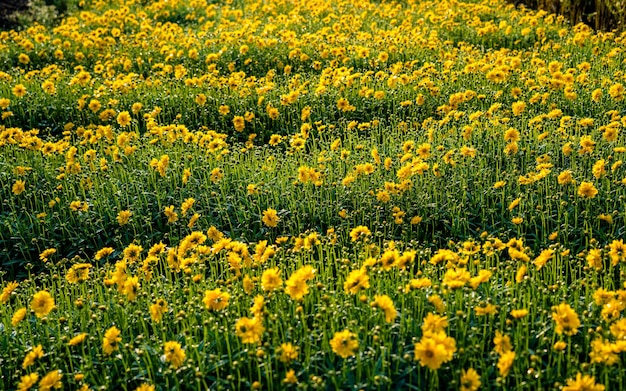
{"x":312,"y":194}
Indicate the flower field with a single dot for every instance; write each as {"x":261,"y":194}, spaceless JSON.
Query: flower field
{"x":317,"y":195}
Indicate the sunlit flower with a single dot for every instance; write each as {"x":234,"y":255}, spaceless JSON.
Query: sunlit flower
{"x":35,"y":353}
{"x":42,"y":303}
{"x":505,"y":363}
{"x":385,"y":303}
{"x":18,"y":316}
{"x":356,"y":280}
{"x":123,"y":119}
{"x":78,"y":339}
{"x":288,"y":352}
{"x":470,"y":380}
{"x":111,"y":340}
{"x":270,"y":280}
{"x":123,"y":217}
{"x":360,"y":232}
{"x":344,"y":343}
{"x":51,"y":380}
{"x":270,"y":218}
{"x":157,"y":310}
{"x":249,"y":330}
{"x":18,"y":187}
{"x":290,"y":377}
{"x":174,"y":353}
{"x":7,"y":291}
{"x":27,"y":381}
{"x":215,"y":299}
{"x":583,"y":383}
{"x":434,"y":349}
{"x":566,"y":319}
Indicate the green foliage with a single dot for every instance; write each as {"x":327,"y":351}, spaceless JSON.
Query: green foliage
{"x":24,"y":13}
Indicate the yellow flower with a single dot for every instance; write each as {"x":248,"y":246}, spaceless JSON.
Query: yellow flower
{"x":456,"y":278}
{"x":172,"y":216}
{"x":343,"y":104}
{"x":520,"y":313}
{"x":51,"y":380}
{"x":215,"y":299}
{"x":18,"y":316}
{"x":360,"y":232}
{"x":296,"y":285}
{"x":157,"y":310}
{"x":174,"y":354}
{"x":186,"y":175}
{"x":518,"y":107}
{"x":42,"y":303}
{"x":416,"y":220}
{"x":587,"y":190}
{"x":559,"y":346}
{"x":78,"y":339}
{"x":136,"y":107}
{"x":488,"y":309}
{"x":103,"y":253}
{"x":35,"y":353}
{"x":596,"y":95}
{"x":258,"y":306}
{"x":19,"y":90}
{"x":248,"y":285}
{"x":272,"y":112}
{"x":438,"y":303}
{"x":356,"y":280}
{"x":94,"y":105}
{"x":290,"y":377}
{"x":288,"y":352}
{"x":594,"y":258}
{"x":18,"y":187}
{"x":434,"y":323}
{"x":434,"y":349}
{"x":111,"y":340}
{"x":470,"y":380}
{"x":123,"y":217}
{"x":385,"y":303}
{"x":78,"y":273}
{"x":7,"y":291}
{"x":275,"y":139}
{"x":483,"y":276}
{"x":502,"y":342}
{"x":514,"y":203}
{"x":201,"y":99}
{"x":545,"y":255}
{"x":499,"y":184}
{"x":239,"y":123}
{"x":131,"y":288}
{"x":45,"y":254}
{"x":145,"y":387}
{"x":270,"y":218}
{"x":566,"y":319}
{"x":617,"y":91}
{"x":249,"y":330}
{"x":270,"y":280}
{"x":599,"y":169}
{"x":617,"y":252}
{"x":224,"y":110}
{"x":344,"y":343}
{"x":583,"y":383}
{"x":505,"y":363}
{"x":27,"y":381}
{"x":123,"y":119}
